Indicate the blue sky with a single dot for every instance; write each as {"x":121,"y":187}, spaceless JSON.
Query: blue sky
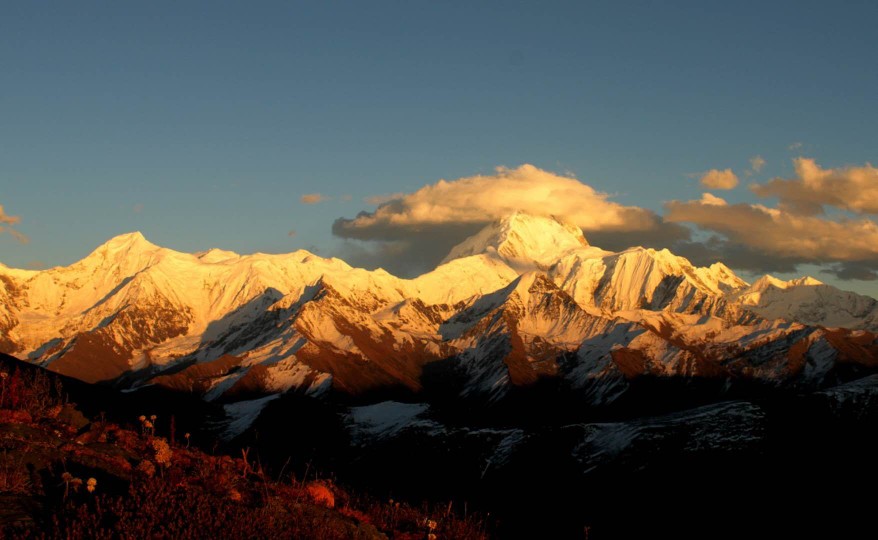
{"x":202,"y":124}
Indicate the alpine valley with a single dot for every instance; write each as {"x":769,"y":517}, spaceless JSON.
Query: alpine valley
{"x":528,"y":360}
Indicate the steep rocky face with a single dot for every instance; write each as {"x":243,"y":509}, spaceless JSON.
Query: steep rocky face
{"x":120,"y":345}
{"x":9,"y":305}
{"x":524,"y":300}
{"x":516,"y":335}
{"x":641,"y":278}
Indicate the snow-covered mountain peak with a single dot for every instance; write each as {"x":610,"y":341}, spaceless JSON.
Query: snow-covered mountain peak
{"x":124,"y":246}
{"x":133,"y":241}
{"x":216,"y":255}
{"x":127,"y":253}
{"x":806,"y":281}
{"x":767,"y":281}
{"x":809,"y":301}
{"x":523,"y":238}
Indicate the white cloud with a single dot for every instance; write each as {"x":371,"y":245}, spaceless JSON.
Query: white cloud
{"x":312,"y":198}
{"x":717,"y":179}
{"x":757,"y":163}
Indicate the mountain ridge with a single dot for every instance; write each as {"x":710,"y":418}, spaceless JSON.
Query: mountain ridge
{"x":525,"y":299}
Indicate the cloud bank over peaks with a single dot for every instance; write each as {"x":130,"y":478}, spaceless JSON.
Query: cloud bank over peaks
{"x":821,"y":218}
{"x":814,"y":188}
{"x":481,"y":199}
{"x":413,"y":232}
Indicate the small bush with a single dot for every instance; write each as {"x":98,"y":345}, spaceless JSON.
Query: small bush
{"x":32,"y":391}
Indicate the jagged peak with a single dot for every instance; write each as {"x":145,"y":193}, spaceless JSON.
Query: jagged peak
{"x":720,"y":267}
{"x":664,"y":258}
{"x":524,"y":286}
{"x":767,"y":281}
{"x":806,"y":281}
{"x":754,"y":294}
{"x":523,"y":237}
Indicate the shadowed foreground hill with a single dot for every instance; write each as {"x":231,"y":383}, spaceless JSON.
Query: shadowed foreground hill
{"x":65,"y":475}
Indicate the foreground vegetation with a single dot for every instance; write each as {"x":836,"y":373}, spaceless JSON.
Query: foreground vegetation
{"x":63,"y":475}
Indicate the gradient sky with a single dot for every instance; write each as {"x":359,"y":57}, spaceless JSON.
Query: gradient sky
{"x":203,"y":124}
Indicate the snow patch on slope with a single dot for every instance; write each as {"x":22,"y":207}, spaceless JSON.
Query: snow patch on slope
{"x":387,"y":419}
{"x":241,"y":415}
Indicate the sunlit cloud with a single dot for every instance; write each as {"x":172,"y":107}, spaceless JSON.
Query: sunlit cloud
{"x":822,"y":218}
{"x":381,"y":199}
{"x":6,"y":225}
{"x":854,"y":189}
{"x":412,"y":232}
{"x":313,"y":198}
{"x":6,"y":219}
{"x":717,"y":179}
{"x":709,"y":199}
{"x":480,"y":199}
{"x":777,"y":232}
{"x":757,"y":163}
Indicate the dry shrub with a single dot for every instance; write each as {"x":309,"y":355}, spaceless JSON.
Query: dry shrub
{"x":14,"y":477}
{"x":356,"y":514}
{"x":9,"y":416}
{"x":153,"y":509}
{"x":146,"y":468}
{"x":320,"y":493}
{"x":162,"y":451}
{"x":30,"y":390}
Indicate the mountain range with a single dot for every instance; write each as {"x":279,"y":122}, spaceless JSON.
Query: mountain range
{"x":528,"y":363}
{"x":527,"y":299}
